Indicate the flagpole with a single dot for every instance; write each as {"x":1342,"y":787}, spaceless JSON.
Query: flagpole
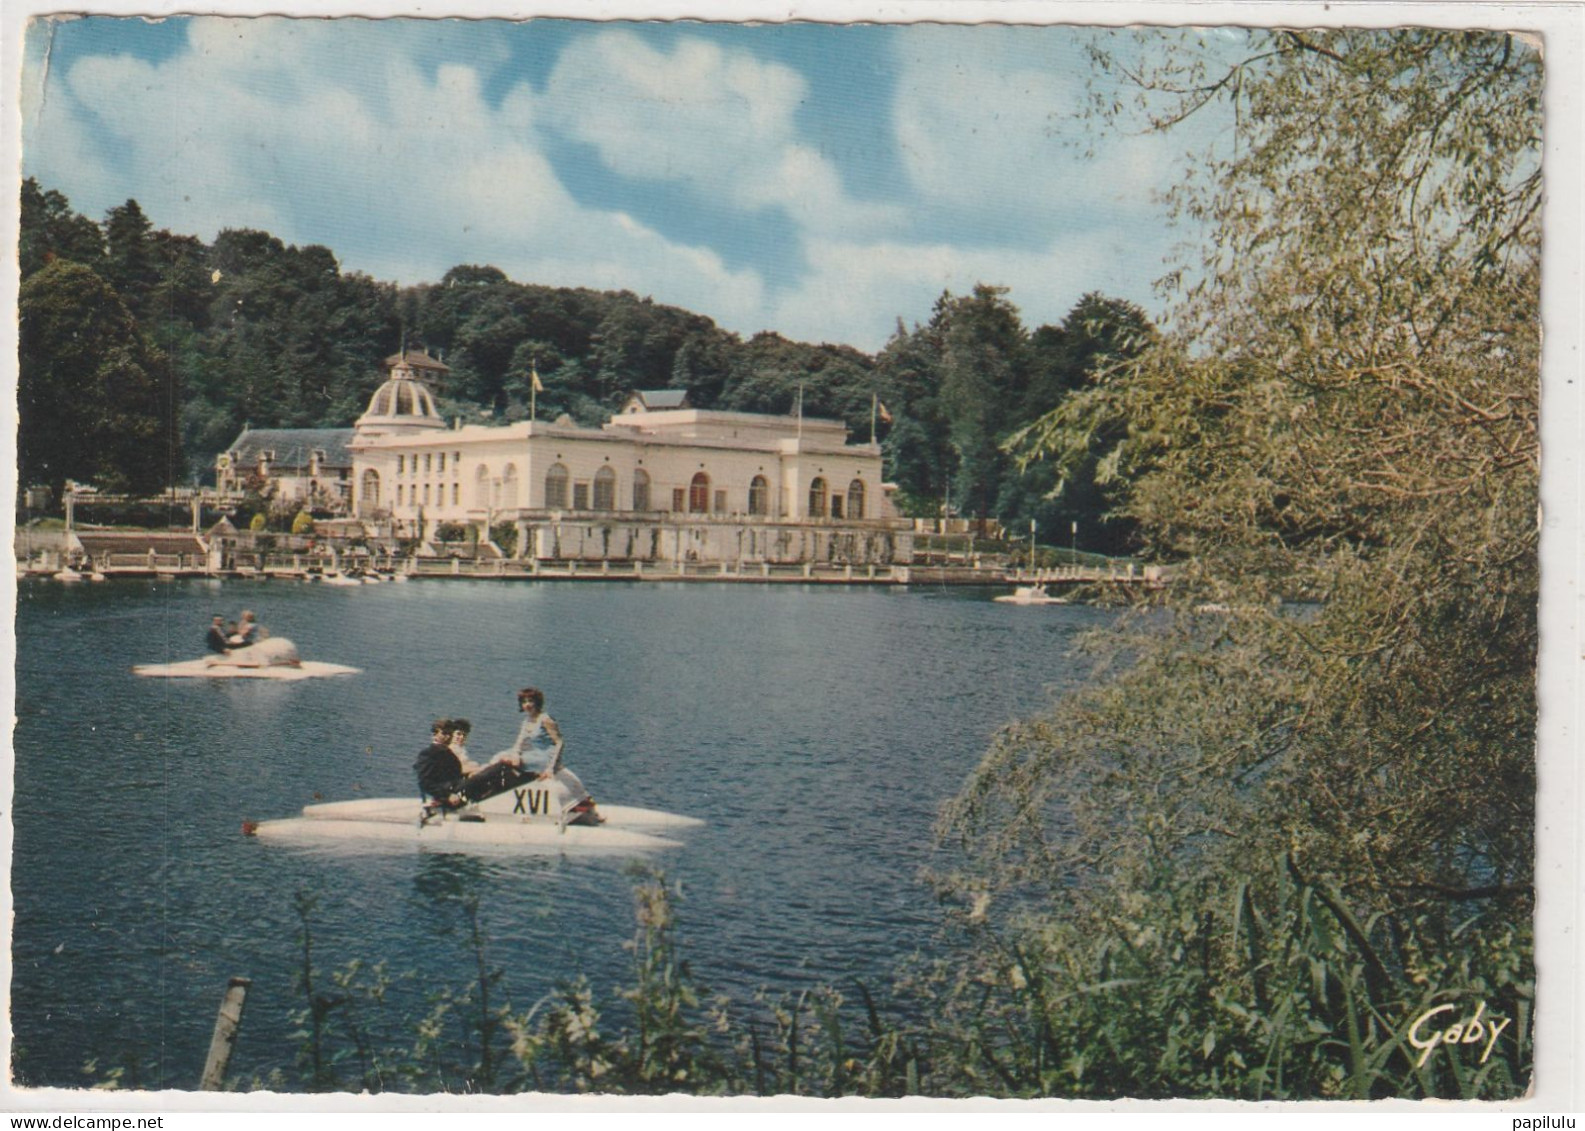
{"x":875,"y":400}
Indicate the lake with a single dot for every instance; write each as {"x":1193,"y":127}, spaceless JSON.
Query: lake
{"x":818,"y":729}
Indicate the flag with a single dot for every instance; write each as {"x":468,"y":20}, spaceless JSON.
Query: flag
{"x":880,"y":407}
{"x":534,"y":376}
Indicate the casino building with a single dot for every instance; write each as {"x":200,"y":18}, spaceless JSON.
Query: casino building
{"x":659,"y":482}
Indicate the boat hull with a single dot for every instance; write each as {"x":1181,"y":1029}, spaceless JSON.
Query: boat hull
{"x":519,"y":818}
{"x":274,"y":658}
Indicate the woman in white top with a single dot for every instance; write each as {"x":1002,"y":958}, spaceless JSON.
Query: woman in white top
{"x":540,"y":735}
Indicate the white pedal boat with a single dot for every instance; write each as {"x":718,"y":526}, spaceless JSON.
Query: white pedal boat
{"x":1030,"y":595}
{"x":531,"y":816}
{"x":273,"y":658}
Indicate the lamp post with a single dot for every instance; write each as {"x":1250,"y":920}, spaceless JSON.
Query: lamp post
{"x":1073,"y":544}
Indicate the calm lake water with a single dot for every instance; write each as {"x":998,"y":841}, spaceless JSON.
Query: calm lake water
{"x":818,"y":729}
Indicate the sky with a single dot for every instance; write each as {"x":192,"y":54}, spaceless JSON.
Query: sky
{"x":822,"y":181}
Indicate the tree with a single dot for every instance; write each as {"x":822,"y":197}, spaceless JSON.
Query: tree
{"x":96,"y":401}
{"x":1339,"y":441}
{"x":131,"y":263}
{"x":982,"y":374}
{"x":50,"y":230}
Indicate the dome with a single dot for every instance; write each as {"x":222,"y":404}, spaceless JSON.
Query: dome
{"x":401,"y":403}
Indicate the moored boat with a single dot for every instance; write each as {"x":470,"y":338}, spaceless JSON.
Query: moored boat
{"x":1031,"y":595}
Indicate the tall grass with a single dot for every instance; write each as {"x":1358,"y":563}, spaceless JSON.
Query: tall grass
{"x":1236,"y":994}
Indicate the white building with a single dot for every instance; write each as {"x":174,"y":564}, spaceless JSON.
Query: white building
{"x":651,"y":485}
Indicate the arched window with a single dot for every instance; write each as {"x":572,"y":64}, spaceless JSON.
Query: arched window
{"x":556,"y":480}
{"x":398,"y":494}
{"x":605,"y":490}
{"x":508,"y":487}
{"x":699,"y":494}
{"x":369,"y":492}
{"x":481,"y":487}
{"x":759,"y":496}
{"x":856,"y":499}
{"x":641,"y":490}
{"x":817,"y":498}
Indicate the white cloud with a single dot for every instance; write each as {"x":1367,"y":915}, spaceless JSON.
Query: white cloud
{"x":719,"y":121}
{"x":857,"y":291}
{"x":988,"y":118}
{"x":402,"y":173}
{"x":363,"y":137}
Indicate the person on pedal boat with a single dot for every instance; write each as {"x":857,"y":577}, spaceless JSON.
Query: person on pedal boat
{"x":454,"y":781}
{"x":218,"y":641}
{"x":540,"y":736}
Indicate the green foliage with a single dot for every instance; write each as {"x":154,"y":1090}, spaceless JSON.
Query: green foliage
{"x":276,"y":336}
{"x":96,"y":401}
{"x":452,"y":531}
{"x":1287,"y":994}
{"x":1340,"y":442}
{"x":504,"y":535}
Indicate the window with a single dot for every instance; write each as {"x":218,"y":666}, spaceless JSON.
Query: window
{"x":426,"y":463}
{"x":580,"y":496}
{"x":641,"y":490}
{"x":401,"y":464}
{"x":759,"y":496}
{"x":817,"y":498}
{"x":679,"y":499}
{"x":370,"y":491}
{"x":481,"y":487}
{"x":605,"y":490}
{"x":442,"y":466}
{"x":556,"y":488}
{"x":456,"y":494}
{"x":508,"y":487}
{"x":720,"y":501}
{"x":856,"y":499}
{"x":836,"y":506}
{"x":398,"y":494}
{"x":699,"y":494}
{"x":426,"y":494}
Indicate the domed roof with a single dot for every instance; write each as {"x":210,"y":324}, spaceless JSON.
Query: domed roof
{"x":401,"y":403}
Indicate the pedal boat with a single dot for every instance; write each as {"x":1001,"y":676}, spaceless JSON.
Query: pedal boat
{"x":272,"y":658}
{"x":537,"y":816}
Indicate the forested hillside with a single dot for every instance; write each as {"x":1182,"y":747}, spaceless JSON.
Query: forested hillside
{"x":145,"y":352}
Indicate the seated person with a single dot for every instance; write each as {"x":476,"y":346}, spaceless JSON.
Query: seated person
{"x":455,"y":781}
{"x":540,"y":735}
{"x":217,"y":641}
{"x":247,"y":631}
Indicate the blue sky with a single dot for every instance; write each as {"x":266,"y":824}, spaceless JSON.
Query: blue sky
{"x":817,"y":180}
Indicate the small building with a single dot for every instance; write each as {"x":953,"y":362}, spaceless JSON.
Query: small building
{"x":656,"y":400}
{"x":290,"y":466}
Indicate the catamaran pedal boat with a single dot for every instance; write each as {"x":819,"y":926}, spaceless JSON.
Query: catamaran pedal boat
{"x":273,"y":658}
{"x":537,"y":815}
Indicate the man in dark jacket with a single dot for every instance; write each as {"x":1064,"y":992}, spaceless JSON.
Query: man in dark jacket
{"x":453,"y":782}
{"x":217,"y":636}
{"x":439,"y":770}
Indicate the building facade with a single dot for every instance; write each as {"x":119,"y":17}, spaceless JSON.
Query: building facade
{"x":290,"y":466}
{"x":653,"y":484}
